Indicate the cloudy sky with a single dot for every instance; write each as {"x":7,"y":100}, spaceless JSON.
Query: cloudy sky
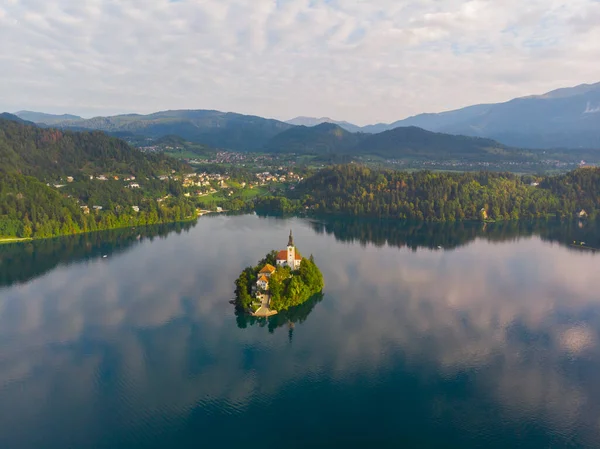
{"x":357,"y":60}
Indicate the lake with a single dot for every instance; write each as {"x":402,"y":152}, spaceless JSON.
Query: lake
{"x":426,"y":336}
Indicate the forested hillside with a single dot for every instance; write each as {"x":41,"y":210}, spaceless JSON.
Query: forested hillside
{"x":415,"y":142}
{"x":358,"y":190}
{"x":52,"y":153}
{"x":321,"y":139}
{"x":46,"y":185}
{"x":409,"y":142}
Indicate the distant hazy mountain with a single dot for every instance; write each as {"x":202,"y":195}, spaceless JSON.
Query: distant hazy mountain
{"x":46,"y":119}
{"x":313,"y":121}
{"x":403,"y":142}
{"x":416,"y":142}
{"x":564,"y":118}
{"x":320,"y":139}
{"x":14,"y":118}
{"x":217,"y":129}
{"x":432,"y":122}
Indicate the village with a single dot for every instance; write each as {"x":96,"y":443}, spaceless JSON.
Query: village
{"x":211,"y":189}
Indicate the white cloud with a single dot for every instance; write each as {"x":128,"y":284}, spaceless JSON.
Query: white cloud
{"x":361,"y":61}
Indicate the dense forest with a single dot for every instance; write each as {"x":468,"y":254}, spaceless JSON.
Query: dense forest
{"x":428,"y":196}
{"x":49,"y":185}
{"x":29,"y":208}
{"x":49,"y":154}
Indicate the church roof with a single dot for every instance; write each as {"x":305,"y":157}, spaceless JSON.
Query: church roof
{"x":268,"y":268}
{"x":282,"y":255}
{"x":263,"y":279}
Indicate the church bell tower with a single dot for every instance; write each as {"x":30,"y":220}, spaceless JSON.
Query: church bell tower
{"x":291,"y":251}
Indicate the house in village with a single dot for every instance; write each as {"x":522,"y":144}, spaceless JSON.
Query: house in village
{"x":264,"y":275}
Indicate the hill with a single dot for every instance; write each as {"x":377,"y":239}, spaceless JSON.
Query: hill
{"x":46,"y":185}
{"x":213,"y":128}
{"x":313,"y":121}
{"x":321,"y":139}
{"x":563,"y":118}
{"x":14,"y":118}
{"x":51,"y":153}
{"x":423,"y":195}
{"x":415,"y":142}
{"x":46,"y":119}
{"x":406,"y":142}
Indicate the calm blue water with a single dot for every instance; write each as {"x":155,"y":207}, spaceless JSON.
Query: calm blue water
{"x":426,"y":336}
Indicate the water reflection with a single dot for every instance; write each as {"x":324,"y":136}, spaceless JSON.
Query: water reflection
{"x":490,"y":344}
{"x":289,"y":318}
{"x":21,"y":262}
{"x":454,"y":235}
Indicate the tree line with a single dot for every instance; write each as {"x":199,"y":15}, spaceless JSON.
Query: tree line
{"x":430,"y":196}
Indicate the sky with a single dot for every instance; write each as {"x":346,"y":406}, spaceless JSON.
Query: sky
{"x":357,"y":60}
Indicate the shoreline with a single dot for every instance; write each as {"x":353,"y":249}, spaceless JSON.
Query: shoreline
{"x":32,"y":239}
{"x":15,"y":239}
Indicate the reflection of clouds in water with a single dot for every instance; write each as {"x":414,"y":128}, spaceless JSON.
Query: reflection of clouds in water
{"x":459,"y":310}
{"x":576,"y":340}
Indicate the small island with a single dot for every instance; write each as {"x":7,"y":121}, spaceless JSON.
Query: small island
{"x":281,"y":280}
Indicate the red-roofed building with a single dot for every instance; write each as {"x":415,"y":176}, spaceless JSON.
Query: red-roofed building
{"x":263,"y":282}
{"x":267,"y":270}
{"x":289,"y":257}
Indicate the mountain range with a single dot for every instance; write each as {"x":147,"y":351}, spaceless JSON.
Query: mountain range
{"x":401,"y":142}
{"x":46,"y":119}
{"x":213,"y":128}
{"x":566,"y":118}
{"x":563,"y":118}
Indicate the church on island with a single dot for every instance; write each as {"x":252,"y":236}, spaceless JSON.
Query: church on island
{"x":289,"y":257}
{"x":277,"y":282}
{"x":285,"y":258}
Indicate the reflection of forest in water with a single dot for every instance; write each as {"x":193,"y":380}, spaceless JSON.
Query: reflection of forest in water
{"x":289,"y":318}
{"x":21,"y":262}
{"x":453,"y":235}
